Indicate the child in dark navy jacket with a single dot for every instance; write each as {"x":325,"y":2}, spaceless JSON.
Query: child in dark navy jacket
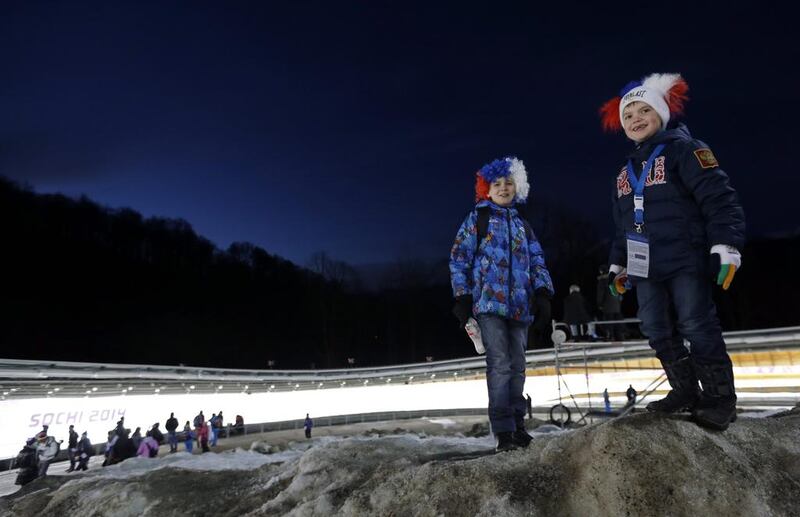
{"x":494,"y":280}
{"x":679,"y":224}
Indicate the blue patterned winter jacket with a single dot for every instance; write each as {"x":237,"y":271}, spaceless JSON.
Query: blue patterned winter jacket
{"x":503,"y":271}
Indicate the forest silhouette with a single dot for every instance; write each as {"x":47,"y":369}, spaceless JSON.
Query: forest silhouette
{"x":83,"y":282}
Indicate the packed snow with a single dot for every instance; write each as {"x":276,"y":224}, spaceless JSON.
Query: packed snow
{"x":641,"y":464}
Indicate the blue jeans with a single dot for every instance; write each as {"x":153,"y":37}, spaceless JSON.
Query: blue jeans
{"x":677,"y":308}
{"x":173,"y":441}
{"x":505,"y":341}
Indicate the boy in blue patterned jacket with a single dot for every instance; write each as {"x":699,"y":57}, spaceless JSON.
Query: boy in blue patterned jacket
{"x":499,"y":281}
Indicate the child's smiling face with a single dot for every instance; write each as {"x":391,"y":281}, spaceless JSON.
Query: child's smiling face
{"x":502,"y":191}
{"x":640,"y":121}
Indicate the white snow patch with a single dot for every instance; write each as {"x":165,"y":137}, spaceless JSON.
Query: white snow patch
{"x":760,"y":414}
{"x":236,"y":459}
{"x":444,"y":422}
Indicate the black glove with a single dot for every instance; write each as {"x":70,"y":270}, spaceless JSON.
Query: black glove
{"x":463,"y":309}
{"x":540,"y":308}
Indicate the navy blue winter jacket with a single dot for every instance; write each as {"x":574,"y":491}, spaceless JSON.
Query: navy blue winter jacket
{"x":689,"y":206}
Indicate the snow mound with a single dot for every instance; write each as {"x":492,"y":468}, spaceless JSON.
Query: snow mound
{"x":643,"y":464}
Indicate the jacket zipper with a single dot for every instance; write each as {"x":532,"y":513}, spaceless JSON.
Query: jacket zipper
{"x":510,"y":259}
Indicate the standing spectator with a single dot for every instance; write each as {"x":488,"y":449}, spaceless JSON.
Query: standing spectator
{"x":202,"y":437}
{"x":85,"y":451}
{"x":220,"y":422}
{"x":609,"y":306}
{"x":188,"y":437}
{"x":238,"y":427}
{"x":212,"y":422}
{"x":606,"y":400}
{"x":198,"y":423}
{"x":148,"y":447}
{"x":47,"y":449}
{"x":212,"y":430}
{"x":136,"y":437}
{"x":72,"y":448}
{"x":172,"y":426}
{"x":122,"y":448}
{"x":110,"y":443}
{"x":631,"y":394}
{"x":575,"y":314}
{"x":156,"y":433}
{"x":529,"y":403}
{"x":307,"y":425}
{"x":120,"y":429}
{"x":27,"y":463}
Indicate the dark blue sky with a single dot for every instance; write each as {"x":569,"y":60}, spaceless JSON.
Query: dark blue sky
{"x":356,"y":127}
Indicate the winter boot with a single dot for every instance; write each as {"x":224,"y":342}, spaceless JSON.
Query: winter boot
{"x":505,"y":442}
{"x":684,"y":393}
{"x":520,"y":437}
{"x":717,"y":405}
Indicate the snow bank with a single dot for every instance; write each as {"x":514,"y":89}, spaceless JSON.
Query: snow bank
{"x":643,"y":464}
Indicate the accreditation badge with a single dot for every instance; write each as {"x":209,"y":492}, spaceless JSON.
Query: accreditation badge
{"x":638,"y":255}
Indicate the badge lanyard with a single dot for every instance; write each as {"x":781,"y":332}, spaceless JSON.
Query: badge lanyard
{"x":638,"y":245}
{"x":638,"y":187}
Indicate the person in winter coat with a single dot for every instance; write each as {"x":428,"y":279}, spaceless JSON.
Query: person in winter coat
{"x":136,"y":437}
{"x":631,"y":394}
{"x":202,"y":436}
{"x":609,"y":306}
{"x":529,"y":406}
{"x":109,"y":448}
{"x":148,"y":448}
{"x":122,"y":448}
{"x":156,"y":433}
{"x":212,"y":430}
{"x":220,"y":425}
{"x":679,"y":227}
{"x":120,"y":429}
{"x":47,"y":449}
{"x":172,"y":434}
{"x":198,"y":423}
{"x":188,"y":437}
{"x":27,"y":461}
{"x":501,"y":280}
{"x":72,"y":448}
{"x":575,"y":313}
{"x":238,"y":426}
{"x":307,"y":425}
{"x":85,"y":452}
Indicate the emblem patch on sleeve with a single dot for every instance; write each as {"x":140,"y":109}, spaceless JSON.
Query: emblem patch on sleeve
{"x":706,"y":158}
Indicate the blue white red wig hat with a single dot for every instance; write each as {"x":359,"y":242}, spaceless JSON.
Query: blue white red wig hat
{"x":510,"y":167}
{"x":666,"y":93}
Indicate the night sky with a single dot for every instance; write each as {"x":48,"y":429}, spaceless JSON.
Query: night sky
{"x":356,"y":127}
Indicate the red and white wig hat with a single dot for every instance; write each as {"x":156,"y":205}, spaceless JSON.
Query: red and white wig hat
{"x":666,"y":93}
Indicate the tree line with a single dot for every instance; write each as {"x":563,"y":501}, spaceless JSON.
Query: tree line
{"x":83,"y":282}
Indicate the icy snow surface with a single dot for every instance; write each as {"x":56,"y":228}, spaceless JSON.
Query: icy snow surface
{"x":639,"y":465}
